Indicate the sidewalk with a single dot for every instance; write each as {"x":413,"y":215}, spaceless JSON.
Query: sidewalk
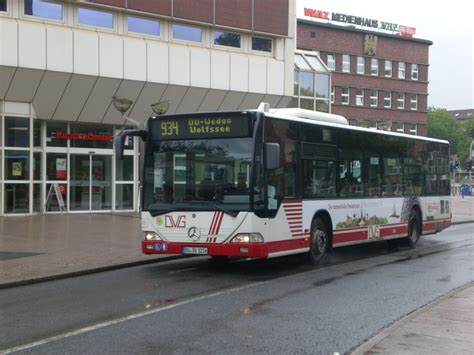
{"x":49,"y":246}
{"x":445,"y":326}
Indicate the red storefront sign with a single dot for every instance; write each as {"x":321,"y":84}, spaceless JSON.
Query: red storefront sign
{"x":83,"y":136}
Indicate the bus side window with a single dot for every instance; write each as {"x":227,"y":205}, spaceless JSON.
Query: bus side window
{"x":374,"y":181}
{"x":350,"y":174}
{"x":319,"y":178}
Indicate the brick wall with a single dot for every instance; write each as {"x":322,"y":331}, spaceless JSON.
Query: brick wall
{"x":339,"y":41}
{"x":269,"y":16}
{"x":349,"y":42}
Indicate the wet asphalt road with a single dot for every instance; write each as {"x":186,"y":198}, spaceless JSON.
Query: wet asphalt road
{"x":276,"y":306}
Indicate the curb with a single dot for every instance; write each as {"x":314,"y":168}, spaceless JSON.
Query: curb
{"x":384,"y":333}
{"x":462,"y":222}
{"x":67,"y":275}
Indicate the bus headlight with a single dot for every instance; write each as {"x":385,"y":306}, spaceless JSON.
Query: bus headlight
{"x":247,"y":238}
{"x":152,"y":236}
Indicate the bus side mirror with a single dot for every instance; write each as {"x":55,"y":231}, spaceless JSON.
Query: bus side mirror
{"x":120,"y":140}
{"x":272,"y":155}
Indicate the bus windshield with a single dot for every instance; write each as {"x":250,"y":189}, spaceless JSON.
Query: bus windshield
{"x":198,"y":175}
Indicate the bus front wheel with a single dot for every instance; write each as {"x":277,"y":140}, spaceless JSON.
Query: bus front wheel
{"x":413,"y":229}
{"x":319,"y":241}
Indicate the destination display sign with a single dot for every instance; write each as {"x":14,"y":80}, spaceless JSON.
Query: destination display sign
{"x":200,"y":127}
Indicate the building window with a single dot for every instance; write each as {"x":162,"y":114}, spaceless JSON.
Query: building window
{"x":333,"y":89}
{"x":143,"y":25}
{"x":307,"y":84}
{"x":331,"y":61}
{"x":44,"y":9}
{"x":96,"y":18}
{"x":413,"y":129}
{"x":3,"y":5}
{"x":387,"y":99}
{"x":414,"y":71}
{"x":399,"y":127}
{"x":227,"y":39}
{"x":345,"y":96}
{"x":17,"y":165}
{"x":262,"y":44}
{"x":360,"y":65}
{"x":374,"y":98}
{"x":401,"y":70}
{"x":17,"y":198}
{"x":187,"y":33}
{"x":56,"y":166}
{"x":414,"y":102}
{"x":17,"y":132}
{"x":296,"y":83}
{"x":311,"y":83}
{"x":90,"y":129}
{"x":388,"y":68}
{"x":360,"y":97}
{"x":346,"y":63}
{"x":384,"y":125}
{"x":400,"y":101}
{"x":54,"y":131}
{"x":374,"y":66}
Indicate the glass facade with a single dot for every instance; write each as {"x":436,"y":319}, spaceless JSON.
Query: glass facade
{"x":311,"y":83}
{"x":40,"y":160}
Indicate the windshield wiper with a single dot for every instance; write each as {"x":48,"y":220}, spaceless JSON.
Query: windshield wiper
{"x":178,"y":207}
{"x":155,"y":213}
{"x":215,"y":205}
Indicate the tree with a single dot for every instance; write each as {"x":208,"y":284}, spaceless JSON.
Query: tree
{"x":441,"y":125}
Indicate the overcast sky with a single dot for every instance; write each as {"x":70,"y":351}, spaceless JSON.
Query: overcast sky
{"x":449,"y":25}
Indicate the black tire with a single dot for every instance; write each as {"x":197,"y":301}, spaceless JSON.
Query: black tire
{"x":319,"y":242}
{"x":414,"y":229}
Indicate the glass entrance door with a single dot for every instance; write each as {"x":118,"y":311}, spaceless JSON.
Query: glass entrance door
{"x":91,"y":182}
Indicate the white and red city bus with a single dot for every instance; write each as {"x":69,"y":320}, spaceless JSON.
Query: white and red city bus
{"x":266,"y":183}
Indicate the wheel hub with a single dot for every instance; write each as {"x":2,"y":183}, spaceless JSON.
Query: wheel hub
{"x":319,"y":240}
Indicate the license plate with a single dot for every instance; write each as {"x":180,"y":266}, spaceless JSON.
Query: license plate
{"x":195,"y":250}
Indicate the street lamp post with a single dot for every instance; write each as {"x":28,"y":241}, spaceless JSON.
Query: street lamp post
{"x":160,"y":108}
{"x":122,"y":105}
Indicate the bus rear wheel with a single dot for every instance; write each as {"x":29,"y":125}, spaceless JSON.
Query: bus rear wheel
{"x":319,"y":242}
{"x":413,"y":229}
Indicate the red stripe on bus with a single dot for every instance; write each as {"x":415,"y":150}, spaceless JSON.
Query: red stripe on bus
{"x":219,"y":222}
{"x":212,"y":223}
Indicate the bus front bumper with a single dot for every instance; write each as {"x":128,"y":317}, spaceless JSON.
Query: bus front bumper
{"x":247,"y":250}
{"x":244,"y":250}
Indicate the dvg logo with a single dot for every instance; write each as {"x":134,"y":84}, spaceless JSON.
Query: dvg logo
{"x":194,"y":233}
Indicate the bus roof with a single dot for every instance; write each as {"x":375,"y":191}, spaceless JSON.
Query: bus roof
{"x":330,"y":123}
